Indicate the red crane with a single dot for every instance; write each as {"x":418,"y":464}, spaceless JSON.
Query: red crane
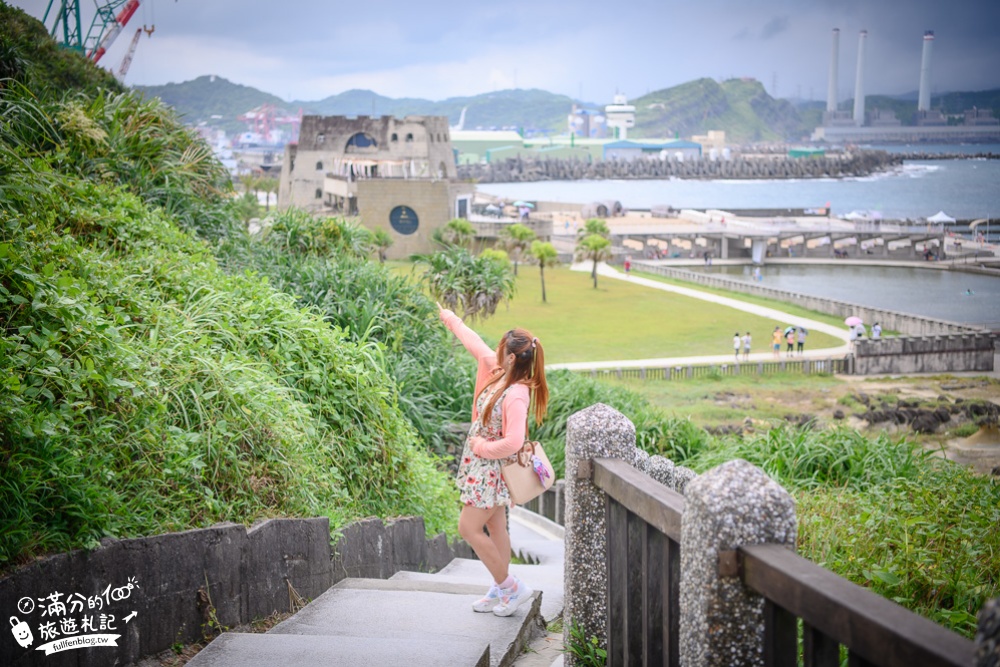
{"x":111,"y":17}
{"x":127,"y":60}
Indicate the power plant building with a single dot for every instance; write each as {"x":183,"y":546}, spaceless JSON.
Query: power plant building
{"x":881,"y":125}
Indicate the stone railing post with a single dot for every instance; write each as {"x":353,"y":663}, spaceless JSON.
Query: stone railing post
{"x":988,"y":635}
{"x":596,"y":432}
{"x":734,"y":504}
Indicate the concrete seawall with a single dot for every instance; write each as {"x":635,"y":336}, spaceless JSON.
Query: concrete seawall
{"x":928,"y":354}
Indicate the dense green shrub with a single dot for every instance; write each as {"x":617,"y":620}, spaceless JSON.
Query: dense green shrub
{"x":324,"y":263}
{"x":47,"y":68}
{"x":145,"y":389}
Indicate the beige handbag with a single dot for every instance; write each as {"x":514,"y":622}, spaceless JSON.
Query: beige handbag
{"x":530,"y":474}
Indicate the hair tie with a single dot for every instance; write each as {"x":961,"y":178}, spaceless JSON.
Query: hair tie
{"x":534,"y":343}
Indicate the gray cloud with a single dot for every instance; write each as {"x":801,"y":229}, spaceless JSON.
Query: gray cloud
{"x":774,"y":27}
{"x":309,"y":49}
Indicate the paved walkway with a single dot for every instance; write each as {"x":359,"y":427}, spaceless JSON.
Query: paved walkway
{"x":777,"y":315}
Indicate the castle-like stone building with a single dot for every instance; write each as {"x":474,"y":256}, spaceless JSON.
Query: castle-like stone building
{"x":394,"y":174}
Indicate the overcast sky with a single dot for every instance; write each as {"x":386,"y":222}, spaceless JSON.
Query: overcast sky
{"x":310,"y":49}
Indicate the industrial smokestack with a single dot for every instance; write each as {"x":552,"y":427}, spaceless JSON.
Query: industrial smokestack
{"x":924,"y":98}
{"x":831,"y":88}
{"x":859,"y":82}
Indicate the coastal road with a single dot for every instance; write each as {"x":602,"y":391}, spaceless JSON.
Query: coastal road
{"x":772,"y":313}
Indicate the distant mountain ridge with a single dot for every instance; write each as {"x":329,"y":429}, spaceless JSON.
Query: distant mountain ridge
{"x":740,"y":107}
{"x":199,"y":100}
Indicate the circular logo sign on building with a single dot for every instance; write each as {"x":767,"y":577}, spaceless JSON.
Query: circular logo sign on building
{"x":404,"y":219}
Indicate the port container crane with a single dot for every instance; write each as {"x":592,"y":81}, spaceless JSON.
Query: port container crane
{"x":107,"y":24}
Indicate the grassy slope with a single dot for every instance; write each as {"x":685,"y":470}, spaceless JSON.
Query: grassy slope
{"x":620,"y":320}
{"x":144,"y":389}
{"x":50,"y":67}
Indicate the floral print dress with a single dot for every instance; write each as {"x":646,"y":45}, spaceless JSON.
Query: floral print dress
{"x":479,"y":479}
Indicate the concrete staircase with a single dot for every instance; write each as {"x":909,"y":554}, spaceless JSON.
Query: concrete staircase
{"x":413,"y":618}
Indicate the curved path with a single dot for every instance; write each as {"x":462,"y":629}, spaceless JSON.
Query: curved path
{"x":777,"y":315}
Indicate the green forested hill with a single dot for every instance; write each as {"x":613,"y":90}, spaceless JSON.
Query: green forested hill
{"x":200,"y":99}
{"x":743,"y":109}
{"x":203,"y":98}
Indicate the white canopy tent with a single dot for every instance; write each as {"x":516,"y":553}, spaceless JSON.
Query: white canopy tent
{"x":940,"y":216}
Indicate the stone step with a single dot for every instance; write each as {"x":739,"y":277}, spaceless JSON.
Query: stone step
{"x":406,"y":616}
{"x":232,"y":649}
{"x":545,"y":578}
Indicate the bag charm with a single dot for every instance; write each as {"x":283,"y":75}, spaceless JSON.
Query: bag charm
{"x":540,"y":469}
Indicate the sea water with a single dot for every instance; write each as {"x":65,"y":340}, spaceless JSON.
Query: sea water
{"x":948,"y":295}
{"x":964,"y":189}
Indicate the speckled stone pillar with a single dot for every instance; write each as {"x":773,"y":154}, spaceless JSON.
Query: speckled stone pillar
{"x":596,"y":432}
{"x":988,"y":635}
{"x":731,"y":505}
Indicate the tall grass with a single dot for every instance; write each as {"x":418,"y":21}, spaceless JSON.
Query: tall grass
{"x":144,"y":388}
{"x":886,"y":514}
{"x":325,"y":264}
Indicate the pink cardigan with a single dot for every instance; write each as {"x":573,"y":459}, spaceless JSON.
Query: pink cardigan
{"x":515,"y":403}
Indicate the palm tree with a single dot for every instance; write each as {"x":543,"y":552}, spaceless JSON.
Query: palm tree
{"x":251,"y":183}
{"x":381,"y":240}
{"x":458,"y":232}
{"x":477,"y":284}
{"x":594,"y":226}
{"x":545,"y":254}
{"x":268,"y":184}
{"x":595,"y":248}
{"x":516,"y":238}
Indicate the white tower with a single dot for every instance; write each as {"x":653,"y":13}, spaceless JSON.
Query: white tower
{"x":859,"y":82}
{"x":620,"y":116}
{"x":831,"y":88}
{"x":924,"y":97}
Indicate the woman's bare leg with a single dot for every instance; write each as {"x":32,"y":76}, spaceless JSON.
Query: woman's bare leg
{"x":497,"y":525}
{"x":470,"y":526}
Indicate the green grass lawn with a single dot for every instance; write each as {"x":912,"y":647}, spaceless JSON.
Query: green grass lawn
{"x":729,"y":399}
{"x":622,"y":320}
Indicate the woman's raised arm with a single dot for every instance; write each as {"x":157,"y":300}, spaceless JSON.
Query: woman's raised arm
{"x":469,"y":338}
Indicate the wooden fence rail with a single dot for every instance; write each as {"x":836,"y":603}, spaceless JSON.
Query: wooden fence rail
{"x":643,"y":579}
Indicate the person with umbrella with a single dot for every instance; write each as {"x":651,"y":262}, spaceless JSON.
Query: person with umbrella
{"x":790,"y":341}
{"x":524,"y":208}
{"x":853,"y":324}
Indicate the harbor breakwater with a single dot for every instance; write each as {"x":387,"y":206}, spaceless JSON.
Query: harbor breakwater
{"x":526,"y":169}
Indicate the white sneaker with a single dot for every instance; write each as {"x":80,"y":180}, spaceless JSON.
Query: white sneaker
{"x":487,"y":602}
{"x":512,"y":598}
